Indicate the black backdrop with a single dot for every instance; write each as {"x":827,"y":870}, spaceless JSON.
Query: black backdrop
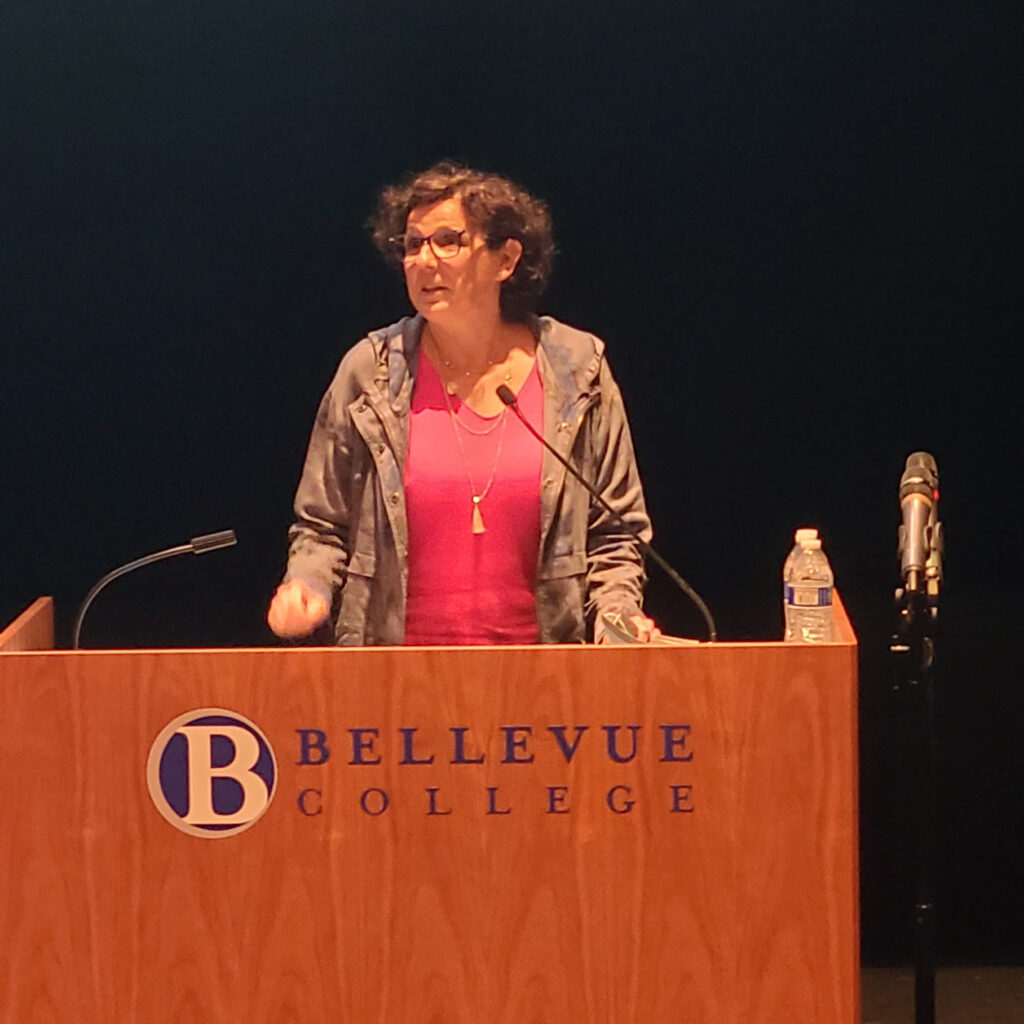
{"x":796,"y":226}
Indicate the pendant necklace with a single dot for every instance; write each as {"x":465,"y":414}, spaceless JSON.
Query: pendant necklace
{"x":477,"y":520}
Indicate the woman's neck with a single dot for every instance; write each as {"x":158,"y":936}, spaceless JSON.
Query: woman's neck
{"x":471,"y":346}
{"x":474,"y":372}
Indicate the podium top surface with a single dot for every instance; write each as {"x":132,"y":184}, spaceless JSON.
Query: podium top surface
{"x":32,"y":633}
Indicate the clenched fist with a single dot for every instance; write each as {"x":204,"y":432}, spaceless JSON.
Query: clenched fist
{"x":296,"y":610}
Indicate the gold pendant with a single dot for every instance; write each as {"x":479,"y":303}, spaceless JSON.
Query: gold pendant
{"x":451,"y":387}
{"x":478,"y":519}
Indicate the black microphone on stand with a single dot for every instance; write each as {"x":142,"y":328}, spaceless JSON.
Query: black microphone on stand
{"x":913,"y":650}
{"x":196,"y":546}
{"x":504,"y":392}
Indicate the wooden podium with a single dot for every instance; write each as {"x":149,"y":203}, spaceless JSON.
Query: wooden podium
{"x":533,"y":835}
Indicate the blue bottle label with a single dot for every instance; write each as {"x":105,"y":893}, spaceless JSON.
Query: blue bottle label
{"x":808,"y":597}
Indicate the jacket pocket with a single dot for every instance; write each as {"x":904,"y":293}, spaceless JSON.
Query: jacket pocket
{"x":563,"y":566}
{"x":362,"y":564}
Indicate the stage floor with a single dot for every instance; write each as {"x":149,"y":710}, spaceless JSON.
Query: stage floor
{"x":963,"y":995}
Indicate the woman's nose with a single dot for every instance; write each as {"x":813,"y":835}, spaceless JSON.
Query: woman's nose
{"x":426,"y":255}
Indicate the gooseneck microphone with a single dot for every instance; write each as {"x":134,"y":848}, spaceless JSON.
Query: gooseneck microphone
{"x":504,"y":392}
{"x":196,"y":546}
{"x":920,"y":532}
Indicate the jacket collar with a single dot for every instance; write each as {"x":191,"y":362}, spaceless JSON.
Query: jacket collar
{"x":570,"y":359}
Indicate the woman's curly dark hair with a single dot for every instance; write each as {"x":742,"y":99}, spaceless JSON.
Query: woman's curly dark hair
{"x":496,"y":207}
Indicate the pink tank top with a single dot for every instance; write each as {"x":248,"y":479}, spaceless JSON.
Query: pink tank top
{"x":465,"y":587}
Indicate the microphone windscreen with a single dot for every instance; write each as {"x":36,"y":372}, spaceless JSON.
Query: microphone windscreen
{"x":922,"y":463}
{"x":504,"y":392}
{"x":213,"y":541}
{"x":921,"y":475}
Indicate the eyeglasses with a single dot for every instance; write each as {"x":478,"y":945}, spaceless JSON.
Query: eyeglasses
{"x":444,"y":244}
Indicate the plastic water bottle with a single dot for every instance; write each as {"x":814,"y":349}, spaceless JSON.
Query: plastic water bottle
{"x":808,"y":586}
{"x":805,"y":533}
{"x":801,"y":535}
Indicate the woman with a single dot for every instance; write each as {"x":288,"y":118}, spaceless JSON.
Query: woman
{"x":426,"y":514}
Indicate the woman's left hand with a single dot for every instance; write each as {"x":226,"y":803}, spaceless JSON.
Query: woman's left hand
{"x":641,"y":629}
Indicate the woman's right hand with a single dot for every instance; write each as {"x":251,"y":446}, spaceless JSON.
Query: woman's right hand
{"x":296,"y":610}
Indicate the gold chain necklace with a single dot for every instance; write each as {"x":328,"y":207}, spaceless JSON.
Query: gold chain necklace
{"x":469,"y":430}
{"x":477,"y":521}
{"x":451,"y":387}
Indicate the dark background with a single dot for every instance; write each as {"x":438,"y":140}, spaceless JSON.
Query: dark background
{"x":796,"y":225}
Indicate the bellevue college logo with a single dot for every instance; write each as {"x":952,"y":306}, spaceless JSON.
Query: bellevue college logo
{"x":211,"y":773}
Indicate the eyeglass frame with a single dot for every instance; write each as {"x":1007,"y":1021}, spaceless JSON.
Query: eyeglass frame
{"x":398,"y":241}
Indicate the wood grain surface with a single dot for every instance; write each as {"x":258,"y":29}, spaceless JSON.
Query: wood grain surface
{"x":524,"y":899}
{"x":32,"y":630}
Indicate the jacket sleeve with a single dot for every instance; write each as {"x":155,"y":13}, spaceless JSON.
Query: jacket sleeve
{"x":319,"y":550}
{"x":615,"y":565}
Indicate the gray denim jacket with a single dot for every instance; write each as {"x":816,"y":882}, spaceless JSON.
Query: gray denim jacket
{"x":350,"y":539}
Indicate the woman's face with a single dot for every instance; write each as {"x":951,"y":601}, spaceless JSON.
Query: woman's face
{"x":461,"y":288}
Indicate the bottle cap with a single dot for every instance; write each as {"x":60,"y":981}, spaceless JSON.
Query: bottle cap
{"x":805,"y":533}
{"x":812,"y":544}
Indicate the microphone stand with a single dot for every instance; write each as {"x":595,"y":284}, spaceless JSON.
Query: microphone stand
{"x":913,"y":654}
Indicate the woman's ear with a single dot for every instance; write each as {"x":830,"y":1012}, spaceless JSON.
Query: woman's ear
{"x":511,"y":251}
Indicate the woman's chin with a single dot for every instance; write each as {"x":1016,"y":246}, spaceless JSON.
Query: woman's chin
{"x":433,"y":309}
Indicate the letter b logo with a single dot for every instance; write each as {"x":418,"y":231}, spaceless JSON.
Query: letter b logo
{"x":211,"y":773}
